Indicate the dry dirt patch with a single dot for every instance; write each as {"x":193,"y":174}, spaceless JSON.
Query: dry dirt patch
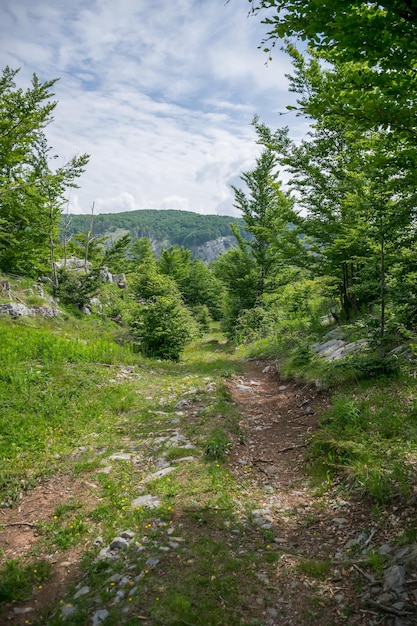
{"x":19,"y":538}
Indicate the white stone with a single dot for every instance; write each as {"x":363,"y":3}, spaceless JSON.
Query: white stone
{"x":99,"y":617}
{"x":82,"y":592}
{"x":147,"y":502}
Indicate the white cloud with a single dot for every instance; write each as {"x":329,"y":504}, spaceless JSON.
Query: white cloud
{"x":160,"y":94}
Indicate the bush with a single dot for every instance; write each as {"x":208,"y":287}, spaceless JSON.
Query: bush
{"x":116,"y":303}
{"x":253,"y":324}
{"x":202,"y":317}
{"x":164,"y":326}
{"x":76,"y":288}
{"x":367,"y":365}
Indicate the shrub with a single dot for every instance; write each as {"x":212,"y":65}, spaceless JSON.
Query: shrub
{"x":76,"y":288}
{"x":253,"y":324}
{"x":202,"y":317}
{"x":164,"y":326}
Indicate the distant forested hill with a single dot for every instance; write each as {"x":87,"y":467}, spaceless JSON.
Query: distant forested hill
{"x":183,"y":228}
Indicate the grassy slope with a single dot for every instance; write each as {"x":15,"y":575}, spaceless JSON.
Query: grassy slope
{"x":68,"y":390}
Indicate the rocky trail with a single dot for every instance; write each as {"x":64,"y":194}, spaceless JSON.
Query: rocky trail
{"x":323,"y":544}
{"x":311,"y":530}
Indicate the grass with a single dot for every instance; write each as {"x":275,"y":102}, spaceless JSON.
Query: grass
{"x":71,"y":392}
{"x":74,"y":396}
{"x":369,"y":437}
{"x":314,"y":568}
{"x":18,"y":579}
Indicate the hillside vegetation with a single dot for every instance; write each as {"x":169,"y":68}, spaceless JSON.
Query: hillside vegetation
{"x":182,"y":228}
{"x":139,"y":478}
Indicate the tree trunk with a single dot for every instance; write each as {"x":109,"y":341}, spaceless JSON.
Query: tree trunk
{"x":382,"y":287}
{"x":87,"y":239}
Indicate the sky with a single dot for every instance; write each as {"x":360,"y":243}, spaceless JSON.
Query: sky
{"x":160,"y":93}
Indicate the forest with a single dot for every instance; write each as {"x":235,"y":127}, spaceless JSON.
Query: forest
{"x":342,"y":228}
{"x":181,"y":228}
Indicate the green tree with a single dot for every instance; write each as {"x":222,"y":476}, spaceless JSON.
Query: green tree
{"x":164,"y":327}
{"x":359,"y":197}
{"x":374,"y":42}
{"x":175,"y":261}
{"x":115,"y":257}
{"x":31,"y":192}
{"x":267,"y":212}
{"x":162,"y":324}
{"x":237,"y":270}
{"x":196,"y":282}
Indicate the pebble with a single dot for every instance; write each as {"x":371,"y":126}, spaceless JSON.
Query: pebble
{"x":82,"y":592}
{"x":119,"y":596}
{"x":394,"y":578}
{"x":67,"y":610}
{"x":272,"y":612}
{"x":244,"y":388}
{"x":182,"y":404}
{"x":115,"y":578}
{"x":127,"y":534}
{"x":23,"y":610}
{"x":99,"y":616}
{"x":271,"y":470}
{"x":119,"y":543}
{"x":161,"y":463}
{"x":121,"y":456}
{"x":385,"y":549}
{"x":159,"y":474}
{"x":402,"y":553}
{"x":147,"y":502}
{"x":184,"y":459}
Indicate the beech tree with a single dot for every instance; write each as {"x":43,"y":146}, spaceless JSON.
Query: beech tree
{"x":375,"y":42}
{"x":31,"y":191}
{"x":359,"y":199}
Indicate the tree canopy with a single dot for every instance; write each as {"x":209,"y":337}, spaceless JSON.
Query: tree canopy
{"x":31,"y":190}
{"x":371,"y":46}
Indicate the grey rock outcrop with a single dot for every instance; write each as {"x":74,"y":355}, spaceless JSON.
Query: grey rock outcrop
{"x":74,"y":263}
{"x":16,"y":309}
{"x":335,"y":349}
{"x":210,"y":250}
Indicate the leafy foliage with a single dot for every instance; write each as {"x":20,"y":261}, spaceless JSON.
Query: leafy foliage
{"x":31,"y":192}
{"x":76,"y":288}
{"x":162,"y":324}
{"x":164,"y":327}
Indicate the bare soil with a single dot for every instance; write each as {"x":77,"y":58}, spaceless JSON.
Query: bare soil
{"x":19,"y":537}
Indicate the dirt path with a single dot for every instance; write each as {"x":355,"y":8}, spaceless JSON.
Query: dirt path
{"x":325,"y":539}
